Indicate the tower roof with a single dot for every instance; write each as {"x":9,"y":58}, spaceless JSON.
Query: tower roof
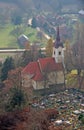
{"x":57,"y":42}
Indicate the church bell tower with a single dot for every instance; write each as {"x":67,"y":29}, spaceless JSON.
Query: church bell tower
{"x":58,"y":49}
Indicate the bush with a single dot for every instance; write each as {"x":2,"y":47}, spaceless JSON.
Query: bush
{"x":17,"y":99}
{"x":81,"y":118}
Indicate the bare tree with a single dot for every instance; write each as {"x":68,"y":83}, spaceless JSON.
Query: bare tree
{"x":76,"y":55}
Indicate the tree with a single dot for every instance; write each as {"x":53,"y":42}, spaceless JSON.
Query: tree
{"x":16,"y":19}
{"x":34,"y":22}
{"x":76,"y":55}
{"x":27,"y":45}
{"x":40,"y":35}
{"x":16,"y":32}
{"x":14,"y":76}
{"x":17,"y":96}
{"x":35,"y":51}
{"x":41,"y":54}
{"x":67,"y":59}
{"x":7,"y":65}
{"x":81,"y":118}
{"x":4,"y":16}
{"x":49,"y":48}
{"x":26,"y":57}
{"x":17,"y":99}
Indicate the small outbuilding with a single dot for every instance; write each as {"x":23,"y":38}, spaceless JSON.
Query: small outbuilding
{"x":23,"y":40}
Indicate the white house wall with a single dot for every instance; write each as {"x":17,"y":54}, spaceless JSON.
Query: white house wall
{"x":26,"y":82}
{"x":53,"y":78}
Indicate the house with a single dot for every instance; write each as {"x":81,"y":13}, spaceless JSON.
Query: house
{"x":81,"y":12}
{"x":81,"y":15}
{"x":46,"y":72}
{"x":23,"y":40}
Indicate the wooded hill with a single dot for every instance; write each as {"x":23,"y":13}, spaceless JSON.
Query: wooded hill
{"x":38,"y":5}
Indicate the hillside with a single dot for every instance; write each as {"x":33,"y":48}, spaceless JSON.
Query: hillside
{"x":27,"y":9}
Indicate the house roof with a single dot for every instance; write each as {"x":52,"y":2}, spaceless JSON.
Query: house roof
{"x":49,"y":64}
{"x":81,"y":12}
{"x":33,"y":70}
{"x":22,"y":39}
{"x":42,"y":65}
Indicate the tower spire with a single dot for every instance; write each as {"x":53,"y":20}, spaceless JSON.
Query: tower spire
{"x":58,"y":35}
{"x":57,"y":41}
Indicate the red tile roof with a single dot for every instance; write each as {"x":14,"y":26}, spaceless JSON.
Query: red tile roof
{"x":31,"y":68}
{"x":42,"y":65}
{"x":49,"y":64}
{"x":38,"y":76}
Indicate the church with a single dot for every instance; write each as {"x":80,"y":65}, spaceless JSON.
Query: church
{"x":46,"y":72}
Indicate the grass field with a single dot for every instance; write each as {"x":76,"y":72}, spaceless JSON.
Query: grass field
{"x":7,"y":40}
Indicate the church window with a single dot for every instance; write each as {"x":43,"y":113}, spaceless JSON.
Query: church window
{"x":59,"y":52}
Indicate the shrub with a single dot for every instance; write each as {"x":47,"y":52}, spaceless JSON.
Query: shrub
{"x":17,"y":99}
{"x":81,"y":118}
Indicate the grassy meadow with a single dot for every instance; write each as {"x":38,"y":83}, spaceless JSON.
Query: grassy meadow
{"x":9,"y":34}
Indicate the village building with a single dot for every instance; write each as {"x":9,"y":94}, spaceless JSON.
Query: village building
{"x":46,"y":72}
{"x":23,"y":40}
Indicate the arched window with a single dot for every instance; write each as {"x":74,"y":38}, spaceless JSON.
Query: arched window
{"x":59,"y":52}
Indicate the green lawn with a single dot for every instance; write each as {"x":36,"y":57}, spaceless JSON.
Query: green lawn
{"x":7,"y":40}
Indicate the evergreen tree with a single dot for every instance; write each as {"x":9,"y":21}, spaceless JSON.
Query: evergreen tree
{"x":7,"y":65}
{"x":16,"y":20}
{"x":34,"y":22}
{"x":17,"y":99}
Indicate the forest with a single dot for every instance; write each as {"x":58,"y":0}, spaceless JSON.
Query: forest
{"x":44,"y":4}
